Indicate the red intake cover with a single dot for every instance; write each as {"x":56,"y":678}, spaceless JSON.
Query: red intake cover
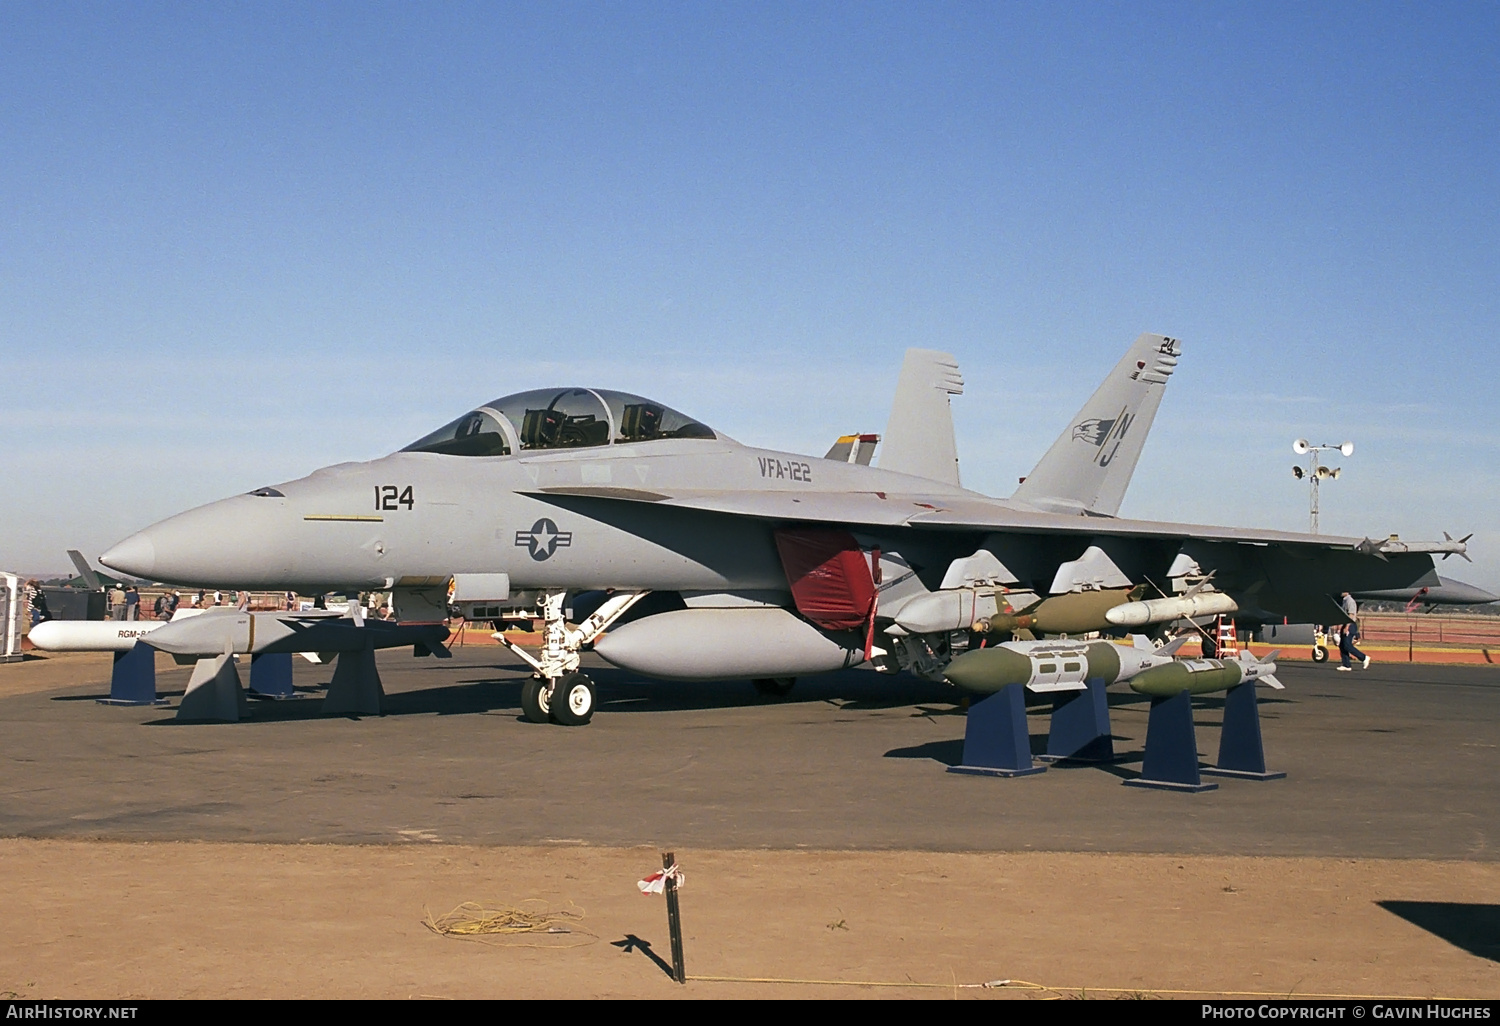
{"x":830,"y":577}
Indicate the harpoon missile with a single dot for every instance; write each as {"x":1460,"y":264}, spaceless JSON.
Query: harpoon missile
{"x":1052,"y":665}
{"x":215,"y":633}
{"x":91,"y":635}
{"x":1202,"y":676}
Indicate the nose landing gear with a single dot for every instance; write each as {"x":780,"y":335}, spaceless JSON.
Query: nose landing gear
{"x":572,"y":703}
{"x":557,"y":691}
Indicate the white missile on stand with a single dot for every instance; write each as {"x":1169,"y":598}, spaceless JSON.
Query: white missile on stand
{"x":97,"y":635}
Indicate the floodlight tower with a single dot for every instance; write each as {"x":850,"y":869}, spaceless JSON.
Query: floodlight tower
{"x":1317,"y":473}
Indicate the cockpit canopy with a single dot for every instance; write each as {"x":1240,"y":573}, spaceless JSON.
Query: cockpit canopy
{"x":550,"y":418}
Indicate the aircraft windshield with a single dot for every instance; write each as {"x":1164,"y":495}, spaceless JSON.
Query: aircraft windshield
{"x":474,"y":434}
{"x":568,"y":418}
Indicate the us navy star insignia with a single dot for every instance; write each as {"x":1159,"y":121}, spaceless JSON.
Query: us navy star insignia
{"x":543,"y":539}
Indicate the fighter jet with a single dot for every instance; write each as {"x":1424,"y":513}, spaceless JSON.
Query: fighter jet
{"x":767,"y":565}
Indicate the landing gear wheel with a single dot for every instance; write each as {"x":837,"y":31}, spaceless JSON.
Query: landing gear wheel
{"x":1320,"y":654}
{"x":573,"y":700}
{"x":536,"y":700}
{"x":774,"y":687}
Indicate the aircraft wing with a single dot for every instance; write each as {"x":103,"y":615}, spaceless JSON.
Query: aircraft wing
{"x":885,"y":509}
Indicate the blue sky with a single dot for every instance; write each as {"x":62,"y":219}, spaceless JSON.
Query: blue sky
{"x":239,"y":242}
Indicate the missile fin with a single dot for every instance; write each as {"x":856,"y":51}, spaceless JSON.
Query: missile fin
{"x":1171,"y":647}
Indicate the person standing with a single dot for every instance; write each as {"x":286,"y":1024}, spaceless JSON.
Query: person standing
{"x":132,"y":603}
{"x":39,"y":611}
{"x":117,"y":603}
{"x":243,"y":605}
{"x":1349,"y":634}
{"x":173,"y":601}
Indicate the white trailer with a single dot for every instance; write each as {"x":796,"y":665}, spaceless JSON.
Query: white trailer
{"x":13,"y":617}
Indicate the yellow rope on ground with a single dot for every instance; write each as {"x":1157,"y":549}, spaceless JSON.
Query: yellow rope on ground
{"x":1060,"y":991}
{"x":473,"y":921}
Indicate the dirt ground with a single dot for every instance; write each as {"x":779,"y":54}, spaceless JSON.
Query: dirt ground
{"x":169,"y":920}
{"x":38,"y":672}
{"x":104,"y":919}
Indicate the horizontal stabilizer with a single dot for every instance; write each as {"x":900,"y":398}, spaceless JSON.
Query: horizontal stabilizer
{"x":857,"y":449}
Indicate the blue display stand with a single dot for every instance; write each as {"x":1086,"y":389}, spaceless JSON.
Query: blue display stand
{"x":1171,"y":748}
{"x":133,"y":680}
{"x":271,"y":676}
{"x":1240,"y":750}
{"x":996,"y":743}
{"x":1080,"y":726}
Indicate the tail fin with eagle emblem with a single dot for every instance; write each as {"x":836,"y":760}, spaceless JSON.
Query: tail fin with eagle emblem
{"x":1089,"y":466}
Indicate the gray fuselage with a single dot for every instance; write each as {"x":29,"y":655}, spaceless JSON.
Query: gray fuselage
{"x":426,"y":515}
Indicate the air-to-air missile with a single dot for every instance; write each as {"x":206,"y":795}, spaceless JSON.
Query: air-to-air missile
{"x":1054,"y":665}
{"x":1201,"y":676}
{"x":1178,"y":607}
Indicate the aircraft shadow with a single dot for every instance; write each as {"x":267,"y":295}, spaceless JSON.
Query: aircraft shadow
{"x":1474,"y":928}
{"x":452,"y":700}
{"x":619,"y":692}
{"x":951,"y":753}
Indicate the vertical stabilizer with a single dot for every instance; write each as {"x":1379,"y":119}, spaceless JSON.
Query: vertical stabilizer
{"x":84,"y":570}
{"x":919,"y":438}
{"x":1089,"y":466}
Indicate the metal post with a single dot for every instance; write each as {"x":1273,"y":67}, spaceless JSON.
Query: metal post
{"x":674,"y":920}
{"x":1314,"y":479}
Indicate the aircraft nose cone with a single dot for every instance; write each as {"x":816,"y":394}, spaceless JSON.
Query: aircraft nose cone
{"x":135,"y":555}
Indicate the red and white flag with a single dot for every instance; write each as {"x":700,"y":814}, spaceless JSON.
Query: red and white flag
{"x":656,"y":883}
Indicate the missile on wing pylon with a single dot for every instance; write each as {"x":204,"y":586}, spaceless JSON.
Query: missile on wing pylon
{"x":1181,"y":607}
{"x":1085,"y":611}
{"x":1050,"y":665}
{"x":1077,"y":612}
{"x":1202,"y":676}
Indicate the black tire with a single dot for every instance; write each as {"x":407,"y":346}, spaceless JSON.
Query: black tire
{"x":573,"y":700}
{"x":535,"y":700}
{"x":774,"y":687}
{"x":1320,"y":654}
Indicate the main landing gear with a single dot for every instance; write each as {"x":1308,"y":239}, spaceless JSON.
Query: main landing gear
{"x":557,"y":691}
